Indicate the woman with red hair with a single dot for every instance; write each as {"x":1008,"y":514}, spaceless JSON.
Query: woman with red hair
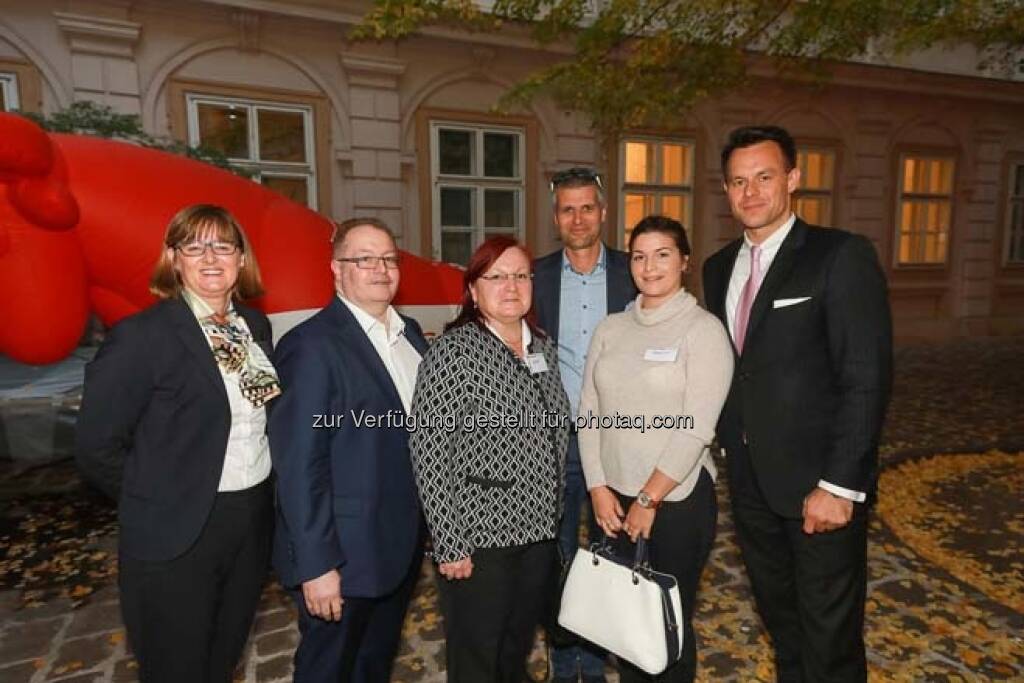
{"x":492,"y":426}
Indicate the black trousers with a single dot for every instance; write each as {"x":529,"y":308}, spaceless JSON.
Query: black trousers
{"x":490,"y":619}
{"x":188,"y":618}
{"x":809,"y":588}
{"x":361,"y":647}
{"x":681,"y":541}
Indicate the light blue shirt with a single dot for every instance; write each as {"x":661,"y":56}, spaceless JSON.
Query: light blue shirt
{"x":583,"y":303}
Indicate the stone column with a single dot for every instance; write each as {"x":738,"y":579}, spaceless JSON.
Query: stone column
{"x":376,"y":164}
{"x":103,"y":67}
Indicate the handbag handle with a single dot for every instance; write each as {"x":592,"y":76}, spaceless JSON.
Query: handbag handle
{"x":641,"y":559}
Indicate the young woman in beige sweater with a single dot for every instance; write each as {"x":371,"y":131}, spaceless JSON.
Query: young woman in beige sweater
{"x":656,"y":378}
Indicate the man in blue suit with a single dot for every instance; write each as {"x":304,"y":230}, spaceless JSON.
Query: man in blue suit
{"x":349,"y":529}
{"x":574,"y":289}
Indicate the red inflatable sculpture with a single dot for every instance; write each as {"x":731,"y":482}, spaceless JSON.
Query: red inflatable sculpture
{"x":81,"y":222}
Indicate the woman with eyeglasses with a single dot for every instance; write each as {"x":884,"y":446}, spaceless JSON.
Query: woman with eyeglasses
{"x":668,"y":362}
{"x":172,"y":425}
{"x":489,"y":453}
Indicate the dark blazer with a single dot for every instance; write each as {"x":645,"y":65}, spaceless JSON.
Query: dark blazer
{"x":485,"y":484}
{"x":547,"y":287}
{"x":810,"y":391}
{"x":345,"y":494}
{"x":153,"y":428}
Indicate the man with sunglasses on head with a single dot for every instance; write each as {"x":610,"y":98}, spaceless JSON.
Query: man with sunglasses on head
{"x":350,"y":532}
{"x":574,"y":289}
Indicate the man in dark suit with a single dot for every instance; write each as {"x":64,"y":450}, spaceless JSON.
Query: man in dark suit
{"x":808,"y":312}
{"x":574,"y":289}
{"x":349,"y":535}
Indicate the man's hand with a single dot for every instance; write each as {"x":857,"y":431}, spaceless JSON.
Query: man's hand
{"x":323,"y":596}
{"x":608,"y":511}
{"x":825,"y":512}
{"x":459,"y":569}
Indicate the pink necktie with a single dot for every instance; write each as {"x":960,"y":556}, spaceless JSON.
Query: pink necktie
{"x":747,"y":298}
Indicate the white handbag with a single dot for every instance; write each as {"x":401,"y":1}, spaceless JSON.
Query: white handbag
{"x":624,"y":606}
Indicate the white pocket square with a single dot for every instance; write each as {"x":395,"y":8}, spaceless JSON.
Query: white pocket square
{"x":782,"y":303}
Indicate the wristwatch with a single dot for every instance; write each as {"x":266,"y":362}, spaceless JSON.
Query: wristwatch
{"x":644,"y":500}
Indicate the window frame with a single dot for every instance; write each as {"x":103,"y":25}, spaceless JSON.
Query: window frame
{"x":318,"y":126}
{"x":429,"y":208}
{"x":254,"y":162}
{"x":26,"y":83}
{"x":929,"y":153}
{"x":477,"y":182}
{"x":658,"y":189}
{"x":10,"y":89}
{"x":832,"y":194}
{"x":1013,"y":162}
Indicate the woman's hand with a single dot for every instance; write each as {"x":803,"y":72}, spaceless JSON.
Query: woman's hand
{"x":607,"y":510}
{"x":459,"y":569}
{"x":639,"y":522}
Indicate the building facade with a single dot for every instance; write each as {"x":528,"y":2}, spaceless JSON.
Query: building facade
{"x":925,"y":161}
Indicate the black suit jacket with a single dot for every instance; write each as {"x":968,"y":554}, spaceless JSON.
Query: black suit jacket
{"x":153,"y":428}
{"x":547,"y":287}
{"x":346,"y":495}
{"x":810,"y":391}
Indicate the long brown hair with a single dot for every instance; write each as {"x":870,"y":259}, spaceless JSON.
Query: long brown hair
{"x":190,"y":224}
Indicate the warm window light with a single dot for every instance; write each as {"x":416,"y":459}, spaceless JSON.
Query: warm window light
{"x":925,"y":211}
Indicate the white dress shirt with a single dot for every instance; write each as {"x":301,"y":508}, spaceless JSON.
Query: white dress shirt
{"x":398,"y":355}
{"x":740,"y":273}
{"x":741,"y":269}
{"x":247,"y":459}
{"x":527,"y":335}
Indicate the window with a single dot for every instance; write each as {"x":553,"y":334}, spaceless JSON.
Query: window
{"x":8,"y":92}
{"x":657,"y":178}
{"x":817,"y":180}
{"x":1013,"y":252}
{"x":273,"y":140}
{"x":478,"y":186}
{"x":925,"y":210}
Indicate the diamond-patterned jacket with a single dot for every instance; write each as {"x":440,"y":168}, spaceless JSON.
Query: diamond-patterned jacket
{"x":487,"y":477}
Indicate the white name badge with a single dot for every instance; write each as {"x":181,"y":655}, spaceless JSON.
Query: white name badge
{"x":536,"y":363}
{"x":661,"y":355}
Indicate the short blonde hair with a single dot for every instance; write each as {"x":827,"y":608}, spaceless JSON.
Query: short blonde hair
{"x":190,"y":224}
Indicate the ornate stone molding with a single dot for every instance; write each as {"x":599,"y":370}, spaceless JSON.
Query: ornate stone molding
{"x":376,"y":72}
{"x":99,"y":35}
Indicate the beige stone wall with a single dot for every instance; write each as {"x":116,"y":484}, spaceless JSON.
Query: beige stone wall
{"x":372,"y":103}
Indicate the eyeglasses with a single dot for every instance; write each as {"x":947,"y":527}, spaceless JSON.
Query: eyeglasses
{"x":199,"y":248}
{"x":576,"y":173}
{"x":371,"y":262}
{"x":516,"y":278}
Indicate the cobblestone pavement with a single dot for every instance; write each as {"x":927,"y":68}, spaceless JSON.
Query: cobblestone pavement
{"x":928,"y":616}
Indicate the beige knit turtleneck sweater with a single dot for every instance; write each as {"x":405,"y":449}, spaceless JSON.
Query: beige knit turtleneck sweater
{"x":631,"y":371}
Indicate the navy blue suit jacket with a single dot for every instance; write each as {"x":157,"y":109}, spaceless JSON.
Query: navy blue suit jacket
{"x":153,"y":428}
{"x":346,"y":498}
{"x":547,"y":287}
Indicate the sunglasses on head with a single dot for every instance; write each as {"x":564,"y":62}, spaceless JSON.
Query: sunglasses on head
{"x":577,"y":173}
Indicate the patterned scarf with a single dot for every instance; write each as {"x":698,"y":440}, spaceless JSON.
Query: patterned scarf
{"x":237,"y":354}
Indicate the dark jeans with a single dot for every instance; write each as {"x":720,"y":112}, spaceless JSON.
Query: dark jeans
{"x":490,"y":618}
{"x":681,"y":541}
{"x":567,"y":662}
{"x":188,"y":618}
